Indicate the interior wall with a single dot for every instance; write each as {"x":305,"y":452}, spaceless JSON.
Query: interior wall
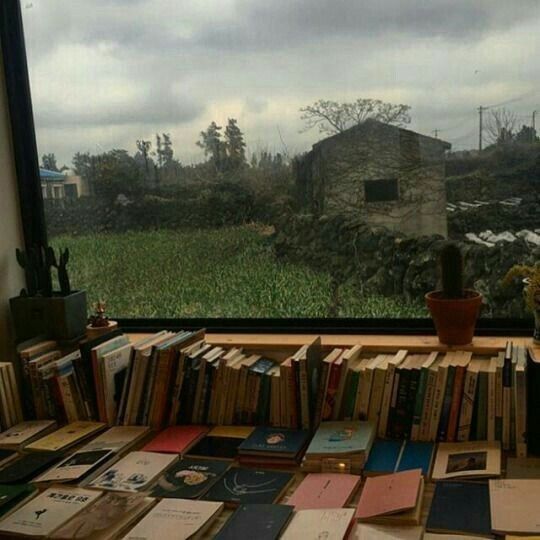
{"x":11,"y":276}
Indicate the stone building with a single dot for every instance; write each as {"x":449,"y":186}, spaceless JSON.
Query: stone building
{"x":386,"y":175}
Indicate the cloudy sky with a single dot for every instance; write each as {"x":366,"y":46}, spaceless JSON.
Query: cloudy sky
{"x":105,"y":73}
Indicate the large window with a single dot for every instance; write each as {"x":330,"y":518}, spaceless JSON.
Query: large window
{"x":218,"y":158}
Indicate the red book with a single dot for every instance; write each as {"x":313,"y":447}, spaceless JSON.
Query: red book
{"x":322,"y":491}
{"x":333,"y":384}
{"x":389,"y":494}
{"x":176,"y":439}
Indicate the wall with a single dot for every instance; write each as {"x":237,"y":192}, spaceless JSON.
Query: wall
{"x":11,"y":277}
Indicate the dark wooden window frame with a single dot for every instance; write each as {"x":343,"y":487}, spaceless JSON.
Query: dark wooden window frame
{"x":35,"y":233}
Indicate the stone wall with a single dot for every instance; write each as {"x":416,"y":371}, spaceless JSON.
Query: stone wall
{"x":388,"y":263}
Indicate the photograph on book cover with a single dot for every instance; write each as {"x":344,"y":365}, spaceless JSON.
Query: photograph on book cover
{"x":317,"y":185}
{"x":467,"y":461}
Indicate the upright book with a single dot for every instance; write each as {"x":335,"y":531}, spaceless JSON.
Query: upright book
{"x":261,"y":521}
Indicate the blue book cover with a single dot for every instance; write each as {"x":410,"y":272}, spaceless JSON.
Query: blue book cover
{"x":416,"y":455}
{"x":383,"y":457}
{"x":460,"y":508}
{"x":275,"y":441}
{"x":343,"y":437}
{"x":261,"y":521}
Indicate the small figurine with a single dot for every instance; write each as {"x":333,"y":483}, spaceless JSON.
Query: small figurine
{"x":99,"y":323}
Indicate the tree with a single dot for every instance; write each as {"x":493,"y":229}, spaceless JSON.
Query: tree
{"x":500,"y":126}
{"x":116,"y":173}
{"x":213,"y":146}
{"x":527,"y":135}
{"x":333,"y":117}
{"x":144,"y":148}
{"x":167,"y":152}
{"x":85,"y":165}
{"x":235,"y":146}
{"x":48,"y":161}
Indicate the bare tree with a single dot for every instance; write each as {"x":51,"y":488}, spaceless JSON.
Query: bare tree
{"x":501,"y":125}
{"x":333,"y":117}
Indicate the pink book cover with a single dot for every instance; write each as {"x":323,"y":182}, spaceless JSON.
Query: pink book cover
{"x":176,"y":439}
{"x":389,"y":494}
{"x":324,"y":491}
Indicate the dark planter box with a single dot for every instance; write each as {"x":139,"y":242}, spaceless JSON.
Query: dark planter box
{"x":61,"y":317}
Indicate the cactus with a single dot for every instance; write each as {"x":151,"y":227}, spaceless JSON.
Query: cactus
{"x":451,"y":262}
{"x":63,"y":277}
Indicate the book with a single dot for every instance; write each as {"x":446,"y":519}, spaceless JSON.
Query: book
{"x":27,"y":467}
{"x":514,"y":506}
{"x":46,"y":512}
{"x":221,"y":442}
{"x":6,"y":456}
{"x":176,"y":439}
{"x":469,"y":395}
{"x":249,"y":486}
{"x":330,"y":524}
{"x":13,"y":496}
{"x":460,"y":508}
{"x":520,"y":402}
{"x":533,"y":401}
{"x":387,"y":456}
{"x":189,"y":478}
{"x":134,"y":472}
{"x":517,"y":468}
{"x":421,"y":395}
{"x":67,"y":436}
{"x":106,"y":518}
{"x":431,"y":536}
{"x":176,"y":518}
{"x":275,"y":442}
{"x":365,"y":531}
{"x":389,"y":494}
{"x":317,"y":491}
{"x":261,"y":521}
{"x":24,"y":433}
{"x":474,"y":459}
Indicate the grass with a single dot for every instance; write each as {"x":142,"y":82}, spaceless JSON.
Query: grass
{"x":229,"y":272}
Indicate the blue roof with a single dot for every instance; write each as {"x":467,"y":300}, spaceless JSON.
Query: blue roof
{"x":45,"y":174}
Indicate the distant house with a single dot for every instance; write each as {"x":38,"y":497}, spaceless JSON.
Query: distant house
{"x":389,"y":176}
{"x":62,"y":185}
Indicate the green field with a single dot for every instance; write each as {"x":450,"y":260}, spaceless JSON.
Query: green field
{"x":229,"y":272}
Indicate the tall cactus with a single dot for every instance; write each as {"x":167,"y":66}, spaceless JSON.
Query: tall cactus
{"x":451,"y":262}
{"x":63,"y":277}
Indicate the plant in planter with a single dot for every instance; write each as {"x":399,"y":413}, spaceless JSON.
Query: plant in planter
{"x":530,"y":276}
{"x":454,"y":308}
{"x":41,"y":310}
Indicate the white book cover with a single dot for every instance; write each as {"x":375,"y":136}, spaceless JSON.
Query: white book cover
{"x":25,"y":432}
{"x":328,"y":524}
{"x":113,"y":363}
{"x":176,"y":518}
{"x":117,"y":438}
{"x":47,"y":511}
{"x":363,"y":531}
{"x":134,"y":472}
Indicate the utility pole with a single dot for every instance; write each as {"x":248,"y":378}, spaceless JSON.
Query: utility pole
{"x":435,"y":133}
{"x":481,"y":126}
{"x":533,"y":134}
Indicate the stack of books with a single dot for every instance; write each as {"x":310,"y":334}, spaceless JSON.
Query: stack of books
{"x":11,"y":412}
{"x":339,"y":447}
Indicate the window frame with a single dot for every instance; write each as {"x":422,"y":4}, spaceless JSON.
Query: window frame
{"x":35,"y":233}
{"x":394,"y":180}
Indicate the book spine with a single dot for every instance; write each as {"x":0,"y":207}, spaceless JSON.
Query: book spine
{"x":399,"y":416}
{"x":209,"y":375}
{"x":337,"y":411}
{"x":447,"y":404}
{"x":455,"y":407}
{"x":148,"y":389}
{"x":499,"y":404}
{"x":482,"y":408}
{"x":411,"y":395}
{"x":294,"y":397}
{"x":375,"y":400}
{"x":67,"y":397}
{"x":321,"y":393}
{"x":427,"y":407}
{"x":438,"y":398}
{"x":304,"y":394}
{"x":349,"y":398}
{"x":330,"y":398}
{"x":491,"y":406}
{"x":28,"y":401}
{"x":467,"y":406}
{"x":393,"y":403}
{"x":18,"y":410}
{"x":418,"y":404}
{"x":187,"y":393}
{"x":364,"y":393}
{"x":533,"y":404}
{"x":520,"y":397}
{"x":125,"y":392}
{"x":197,"y":398}
{"x":386,"y":399}
{"x":507,"y":403}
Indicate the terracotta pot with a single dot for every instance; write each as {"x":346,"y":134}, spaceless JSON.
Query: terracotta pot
{"x":454,"y":319}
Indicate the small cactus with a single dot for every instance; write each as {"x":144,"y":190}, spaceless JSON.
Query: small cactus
{"x":451,"y":262}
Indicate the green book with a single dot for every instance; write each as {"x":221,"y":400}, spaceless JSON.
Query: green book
{"x":481,"y":411}
{"x":351,"y":387}
{"x":345,"y":437}
{"x":11,"y":496}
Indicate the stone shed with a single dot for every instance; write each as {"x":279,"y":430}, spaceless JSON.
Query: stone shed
{"x":389,"y":176}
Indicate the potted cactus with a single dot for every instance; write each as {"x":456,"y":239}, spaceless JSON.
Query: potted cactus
{"x":530,"y":277}
{"x":454,"y":308}
{"x":39,"y":309}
